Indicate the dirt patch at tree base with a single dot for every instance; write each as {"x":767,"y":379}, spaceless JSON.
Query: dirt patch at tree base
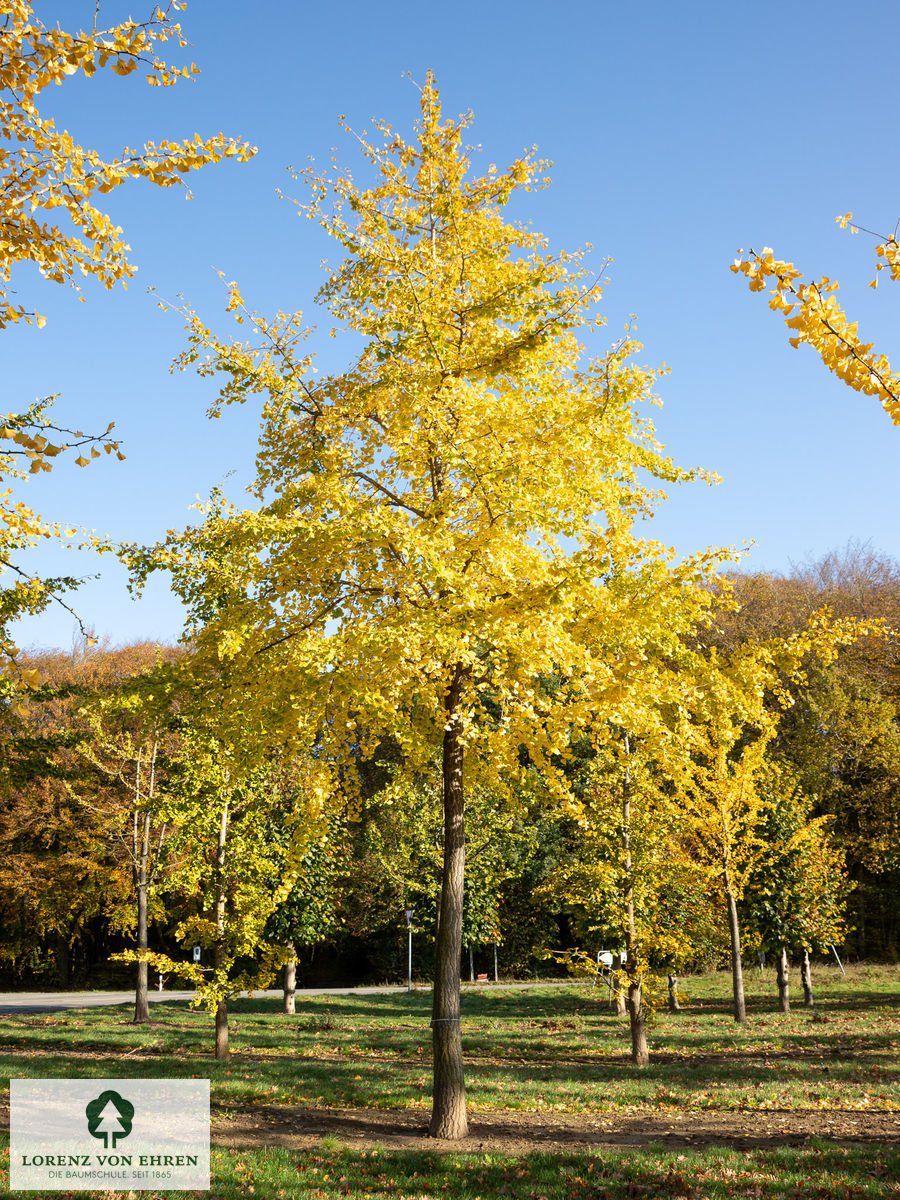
{"x":518,"y":1133}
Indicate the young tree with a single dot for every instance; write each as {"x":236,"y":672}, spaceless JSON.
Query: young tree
{"x":447,"y":519}
{"x":308,"y":913}
{"x":738,"y":701}
{"x":796,"y":895}
{"x":724,"y":800}
{"x":223,"y":803}
{"x":128,"y":743}
{"x":624,"y":863}
{"x":812,"y":312}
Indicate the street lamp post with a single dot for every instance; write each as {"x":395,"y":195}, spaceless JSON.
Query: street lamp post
{"x":409,"y":913}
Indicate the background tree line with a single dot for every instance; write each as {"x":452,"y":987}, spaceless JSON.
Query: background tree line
{"x":80,"y":768}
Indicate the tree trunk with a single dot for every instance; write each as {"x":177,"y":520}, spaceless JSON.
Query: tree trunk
{"x":674,"y":1006}
{"x":222,"y":1049}
{"x":141,"y":1001}
{"x":495,"y":962}
{"x":806,"y":978}
{"x":471,"y":966}
{"x":448,"y":1113}
{"x":621,"y":1009}
{"x":640,"y":1056}
{"x":290,"y":980}
{"x":782,"y":971}
{"x":737,"y":975}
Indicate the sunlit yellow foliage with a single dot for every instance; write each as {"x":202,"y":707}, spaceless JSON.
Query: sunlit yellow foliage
{"x":48,"y":217}
{"x":449,"y":519}
{"x":28,"y":445}
{"x":45,"y":174}
{"x":812,"y":313}
{"x":459,"y":504}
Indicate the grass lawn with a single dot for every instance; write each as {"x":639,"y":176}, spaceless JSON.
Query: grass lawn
{"x":730,"y":1096}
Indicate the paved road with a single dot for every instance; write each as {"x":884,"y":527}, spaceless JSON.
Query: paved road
{"x":37,"y":1002}
{"x":45,"y":1002}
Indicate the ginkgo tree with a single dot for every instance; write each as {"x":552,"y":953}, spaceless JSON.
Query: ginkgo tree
{"x":795,"y":898}
{"x":814,"y":316}
{"x":127,"y":744}
{"x":224,"y":798}
{"x":729,"y":789}
{"x":629,"y":879}
{"x":625,"y":859}
{"x":447,"y":519}
{"x":724,"y":799}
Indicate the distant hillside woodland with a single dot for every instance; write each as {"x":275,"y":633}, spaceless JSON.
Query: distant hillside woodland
{"x":105,"y":841}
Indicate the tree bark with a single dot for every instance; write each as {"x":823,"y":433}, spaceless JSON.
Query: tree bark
{"x":621,"y":1009}
{"x":448,"y":1113}
{"x":141,"y":1000}
{"x":290,"y":980}
{"x":222,"y":1048}
{"x":806,"y":978}
{"x":143,"y":870}
{"x":782,"y":971}
{"x":737,"y":975}
{"x":674,"y":1006}
{"x":640,"y":1055}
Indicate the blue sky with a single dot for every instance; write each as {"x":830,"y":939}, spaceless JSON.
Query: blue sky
{"x":678,"y":134}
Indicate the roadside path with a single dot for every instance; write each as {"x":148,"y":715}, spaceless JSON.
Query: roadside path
{"x":46,"y":1002}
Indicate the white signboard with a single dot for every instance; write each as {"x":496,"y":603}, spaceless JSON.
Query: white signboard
{"x":109,"y":1134}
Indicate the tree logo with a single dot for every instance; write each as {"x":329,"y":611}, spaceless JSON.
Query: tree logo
{"x":109,"y":1116}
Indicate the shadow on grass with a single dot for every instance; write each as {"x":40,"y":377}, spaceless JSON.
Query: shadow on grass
{"x":820,"y":1172}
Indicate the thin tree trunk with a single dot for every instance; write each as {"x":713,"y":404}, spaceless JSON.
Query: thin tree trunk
{"x":448,"y":1113}
{"x":222,"y":1049}
{"x":674,"y":1006}
{"x":621,"y":1009}
{"x":495,"y":962}
{"x":143,"y":870}
{"x":290,"y":980}
{"x":141,"y":1000}
{"x":782,"y":971}
{"x":806,"y":978}
{"x":471,"y":966}
{"x":737,"y":975}
{"x":639,"y":1052}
